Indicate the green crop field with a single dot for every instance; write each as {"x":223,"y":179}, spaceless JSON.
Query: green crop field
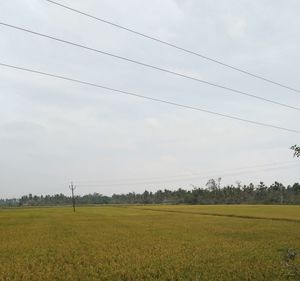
{"x":150,"y":243}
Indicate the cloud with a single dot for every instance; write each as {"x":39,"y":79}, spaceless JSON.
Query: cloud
{"x":52,"y":131}
{"x":236,"y":27}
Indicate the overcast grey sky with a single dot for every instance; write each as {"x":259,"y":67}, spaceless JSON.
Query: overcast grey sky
{"x":54,"y":131}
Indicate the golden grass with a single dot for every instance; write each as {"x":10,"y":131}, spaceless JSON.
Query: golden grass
{"x":131,"y":243}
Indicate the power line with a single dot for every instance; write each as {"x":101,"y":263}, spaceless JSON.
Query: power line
{"x":150,"y":98}
{"x":180,"y":180}
{"x":192,"y":175}
{"x":176,"y":47}
{"x":188,"y":177}
{"x":150,"y":66}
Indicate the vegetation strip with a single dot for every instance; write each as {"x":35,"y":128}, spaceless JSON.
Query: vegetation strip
{"x":220,"y":215}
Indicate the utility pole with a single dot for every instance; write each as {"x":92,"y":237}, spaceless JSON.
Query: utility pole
{"x":72,"y":188}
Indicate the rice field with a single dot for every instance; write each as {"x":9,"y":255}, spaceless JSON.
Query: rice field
{"x":149,"y":243}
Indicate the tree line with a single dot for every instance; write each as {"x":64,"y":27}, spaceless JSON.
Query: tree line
{"x":212,"y":193}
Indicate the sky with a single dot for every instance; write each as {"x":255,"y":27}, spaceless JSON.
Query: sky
{"x":53,"y":131}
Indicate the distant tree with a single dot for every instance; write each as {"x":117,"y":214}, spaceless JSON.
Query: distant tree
{"x":212,"y":194}
{"x":219,"y":182}
{"x":296,"y":149}
{"x":212,"y":184}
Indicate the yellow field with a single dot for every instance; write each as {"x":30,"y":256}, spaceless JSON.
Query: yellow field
{"x":149,"y":243}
